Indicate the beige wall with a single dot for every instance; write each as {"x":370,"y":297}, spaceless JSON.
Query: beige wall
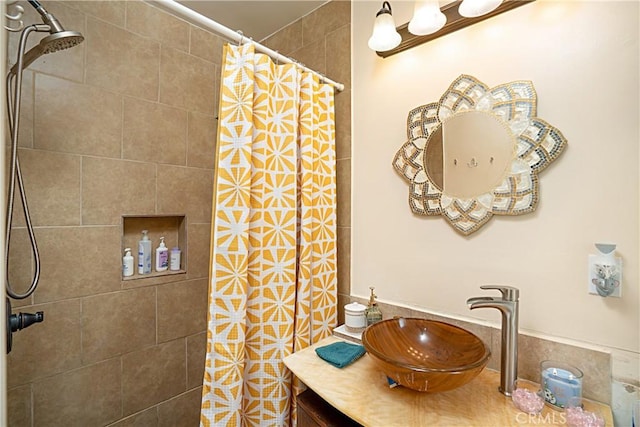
{"x":122,"y":124}
{"x":583,"y":60}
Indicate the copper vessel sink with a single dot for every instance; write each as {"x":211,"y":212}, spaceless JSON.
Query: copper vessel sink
{"x":425,"y":355}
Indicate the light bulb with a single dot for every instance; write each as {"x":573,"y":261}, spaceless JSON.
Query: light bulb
{"x":427,"y":18}
{"x":384,"y":36}
{"x":474,"y":8}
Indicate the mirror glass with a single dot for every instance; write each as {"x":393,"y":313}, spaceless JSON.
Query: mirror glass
{"x":477,"y":153}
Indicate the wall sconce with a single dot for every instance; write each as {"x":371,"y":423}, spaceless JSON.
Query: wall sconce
{"x":427,"y":18}
{"x":384,"y":36}
{"x":457,"y":15}
{"x":474,"y":8}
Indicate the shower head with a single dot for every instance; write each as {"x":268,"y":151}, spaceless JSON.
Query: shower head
{"x":52,"y":43}
{"x":59,"y":38}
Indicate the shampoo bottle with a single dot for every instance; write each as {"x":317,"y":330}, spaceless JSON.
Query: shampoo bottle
{"x":144,"y":254}
{"x":162,"y":256}
{"x":127,"y":263}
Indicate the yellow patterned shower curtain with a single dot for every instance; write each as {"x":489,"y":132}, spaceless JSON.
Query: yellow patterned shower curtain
{"x":273,"y":259}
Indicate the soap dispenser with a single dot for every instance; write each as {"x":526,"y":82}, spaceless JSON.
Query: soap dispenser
{"x":162,"y":256}
{"x":373,"y":312}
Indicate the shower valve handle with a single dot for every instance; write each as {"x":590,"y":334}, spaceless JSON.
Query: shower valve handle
{"x":24,"y":320}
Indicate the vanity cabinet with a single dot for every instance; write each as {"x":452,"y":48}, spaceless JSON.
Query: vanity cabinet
{"x":313,"y":411}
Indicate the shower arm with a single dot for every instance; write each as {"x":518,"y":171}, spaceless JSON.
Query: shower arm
{"x":14,"y":124}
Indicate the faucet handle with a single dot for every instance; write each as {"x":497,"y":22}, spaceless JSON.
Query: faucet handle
{"x":509,"y":293}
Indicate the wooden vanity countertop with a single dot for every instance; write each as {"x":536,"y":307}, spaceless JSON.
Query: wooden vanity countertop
{"x":360,"y":391}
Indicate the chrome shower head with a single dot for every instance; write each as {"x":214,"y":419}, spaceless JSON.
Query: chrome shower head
{"x":49,"y":44}
{"x":60,"y":41}
{"x":59,"y":38}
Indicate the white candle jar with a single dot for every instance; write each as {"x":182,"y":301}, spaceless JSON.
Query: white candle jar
{"x":355,"y":319}
{"x":560,"y":382}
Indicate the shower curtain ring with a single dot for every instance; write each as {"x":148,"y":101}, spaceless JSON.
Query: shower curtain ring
{"x":241,"y":34}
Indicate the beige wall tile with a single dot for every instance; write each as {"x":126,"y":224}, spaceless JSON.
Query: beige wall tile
{"x":312,"y":56}
{"x":148,"y":418}
{"x":339,"y":50}
{"x":89,"y":396}
{"x":76,"y":118}
{"x":110,"y":11}
{"x":199,"y":241}
{"x":78,"y":261}
{"x":68,"y":63}
{"x":595,"y":365}
{"x":52,"y":184}
{"x":344,"y":260}
{"x":187,"y":190}
{"x":323,"y":20}
{"x":187,"y":81}
{"x":343,"y":176}
{"x":21,"y":264}
{"x":182,"y":309}
{"x":287,"y":40}
{"x":121,"y":61}
{"x":201,"y":151}
{"x":343,"y":124}
{"x":107,"y":322}
{"x":25,"y":133}
{"x":342,"y":301}
{"x":206,"y":45}
{"x":154,"y":23}
{"x":183,"y":410}
{"x":112,"y":188}
{"x":154,"y":133}
{"x":46,"y":348}
{"x":196,"y":353}
{"x":152,"y":375}
{"x":19,"y":406}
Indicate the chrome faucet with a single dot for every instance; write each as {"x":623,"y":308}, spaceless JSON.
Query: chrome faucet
{"x":508,"y":306}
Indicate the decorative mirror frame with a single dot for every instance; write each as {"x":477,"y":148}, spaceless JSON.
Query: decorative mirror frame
{"x":536,"y":145}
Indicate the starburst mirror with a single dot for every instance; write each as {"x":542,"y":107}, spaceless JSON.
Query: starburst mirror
{"x":476,"y":153}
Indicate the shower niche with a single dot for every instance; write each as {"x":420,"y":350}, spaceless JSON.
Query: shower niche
{"x":174,"y":230}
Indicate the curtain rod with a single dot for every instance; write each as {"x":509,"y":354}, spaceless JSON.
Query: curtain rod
{"x":235,"y":36}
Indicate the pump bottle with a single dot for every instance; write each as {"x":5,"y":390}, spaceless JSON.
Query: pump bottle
{"x":373,"y":312}
{"x":144,"y":254}
{"x":162,"y":256}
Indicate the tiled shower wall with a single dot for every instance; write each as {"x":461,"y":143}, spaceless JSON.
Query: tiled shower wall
{"x":124,"y":124}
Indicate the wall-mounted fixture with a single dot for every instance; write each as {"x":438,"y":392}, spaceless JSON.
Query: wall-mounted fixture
{"x":447,"y":19}
{"x":427,"y":18}
{"x":605,"y":271}
{"x":384,"y":36}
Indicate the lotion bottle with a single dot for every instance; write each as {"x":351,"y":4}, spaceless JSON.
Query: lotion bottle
{"x":144,"y":254}
{"x":127,"y":263}
{"x":162,"y":256}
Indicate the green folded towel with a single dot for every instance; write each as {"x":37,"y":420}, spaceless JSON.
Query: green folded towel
{"x":340,"y":354}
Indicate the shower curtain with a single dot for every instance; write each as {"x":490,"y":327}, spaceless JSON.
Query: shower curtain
{"x":273,"y":259}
